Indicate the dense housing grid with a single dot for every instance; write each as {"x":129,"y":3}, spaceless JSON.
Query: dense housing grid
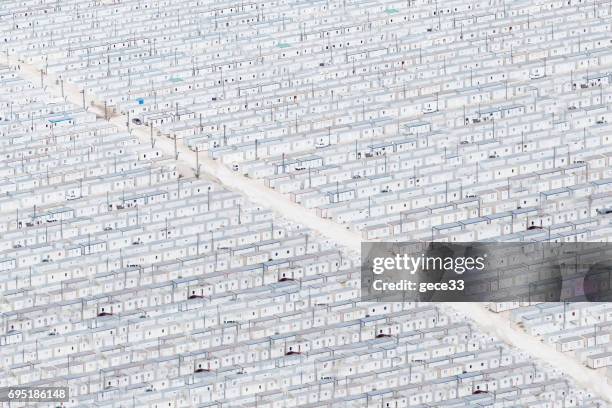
{"x":184,"y":185}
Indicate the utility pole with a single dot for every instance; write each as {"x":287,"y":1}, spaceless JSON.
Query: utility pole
{"x":151,"y":132}
{"x":197,"y":162}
